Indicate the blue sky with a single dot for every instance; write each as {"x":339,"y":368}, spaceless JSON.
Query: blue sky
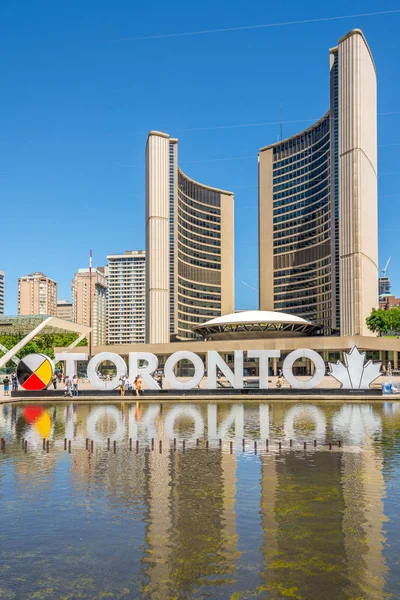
{"x":79,"y":95}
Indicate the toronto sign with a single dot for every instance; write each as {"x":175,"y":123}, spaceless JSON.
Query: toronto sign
{"x":35,"y":371}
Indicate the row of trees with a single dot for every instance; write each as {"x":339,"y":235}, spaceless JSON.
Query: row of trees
{"x":384,"y":321}
{"x":42,"y":343}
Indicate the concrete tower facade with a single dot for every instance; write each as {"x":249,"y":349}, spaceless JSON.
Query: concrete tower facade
{"x":318,"y":230}
{"x":189,"y":247}
{"x":157,"y":237}
{"x":358,"y":186}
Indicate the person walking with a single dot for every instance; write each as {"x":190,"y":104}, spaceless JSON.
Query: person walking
{"x":6,"y":384}
{"x":160,"y":381}
{"x":126,"y":385}
{"x":75,"y":382}
{"x":137,"y":385}
{"x":54,"y":381}
{"x":122,"y":385}
{"x":68,"y":386}
{"x":14,"y":381}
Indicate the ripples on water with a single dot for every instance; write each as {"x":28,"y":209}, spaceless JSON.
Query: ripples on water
{"x":198,"y":522}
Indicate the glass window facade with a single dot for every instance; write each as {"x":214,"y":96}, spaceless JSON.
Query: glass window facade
{"x":335,"y":186}
{"x":171,"y":237}
{"x":198,"y":255}
{"x":302,"y":225}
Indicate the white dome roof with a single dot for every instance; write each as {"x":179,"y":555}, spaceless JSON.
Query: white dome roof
{"x":255,"y":316}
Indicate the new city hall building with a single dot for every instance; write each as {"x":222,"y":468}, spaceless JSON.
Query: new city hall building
{"x":318,"y":213}
{"x":189,"y":247}
{"x":318,"y":238}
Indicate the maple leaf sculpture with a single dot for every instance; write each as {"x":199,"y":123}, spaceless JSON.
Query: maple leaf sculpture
{"x":355,"y":374}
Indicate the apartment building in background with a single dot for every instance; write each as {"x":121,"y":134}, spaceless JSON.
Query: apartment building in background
{"x":189,"y":247}
{"x":388,"y":301}
{"x":126,"y":298}
{"x":1,"y":292}
{"x":64,"y":310}
{"x":318,"y":221}
{"x":37,"y":295}
{"x":89,"y":302}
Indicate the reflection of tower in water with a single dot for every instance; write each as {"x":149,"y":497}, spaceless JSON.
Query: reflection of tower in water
{"x":191,"y":527}
{"x":364,"y":490}
{"x":322,"y":516}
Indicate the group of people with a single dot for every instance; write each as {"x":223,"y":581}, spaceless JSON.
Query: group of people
{"x":14,"y":383}
{"x":71,"y":385}
{"x":58,"y":377}
{"x":107,"y":377}
{"x":124,"y":385}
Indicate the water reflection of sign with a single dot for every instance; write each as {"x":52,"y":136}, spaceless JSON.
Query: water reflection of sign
{"x":39,"y":418}
{"x":109,"y":413}
{"x":353,"y":375}
{"x":314,"y":415}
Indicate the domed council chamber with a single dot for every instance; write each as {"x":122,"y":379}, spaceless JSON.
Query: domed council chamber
{"x":256,"y":324}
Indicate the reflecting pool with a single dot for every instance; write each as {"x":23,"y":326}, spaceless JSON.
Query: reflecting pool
{"x":188,"y":500}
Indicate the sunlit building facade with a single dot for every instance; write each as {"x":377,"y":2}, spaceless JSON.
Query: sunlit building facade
{"x":126,"y":298}
{"x":37,"y":295}
{"x":318,"y":247}
{"x":189,"y":247}
{"x":89,"y":302}
{"x":64,"y":310}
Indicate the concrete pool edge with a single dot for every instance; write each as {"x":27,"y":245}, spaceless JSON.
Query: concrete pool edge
{"x":201,"y":398}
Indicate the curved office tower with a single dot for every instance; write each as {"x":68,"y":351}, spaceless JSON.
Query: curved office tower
{"x":189,"y":247}
{"x":318,"y":240}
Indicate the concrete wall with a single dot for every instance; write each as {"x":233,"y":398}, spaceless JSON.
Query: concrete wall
{"x":157,"y":238}
{"x":227,"y":255}
{"x":358,"y":209}
{"x":265,"y":231}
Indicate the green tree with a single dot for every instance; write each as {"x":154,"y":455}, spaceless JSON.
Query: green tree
{"x":384,"y":321}
{"x":393,"y":319}
{"x":43,"y":343}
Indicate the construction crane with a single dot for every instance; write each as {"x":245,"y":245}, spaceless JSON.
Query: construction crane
{"x":386,"y":267}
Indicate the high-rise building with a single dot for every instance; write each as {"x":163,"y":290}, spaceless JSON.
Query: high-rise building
{"x":1,"y":292}
{"x":384,"y":286}
{"x":189,"y":247}
{"x":37,"y":295}
{"x":126,"y":298}
{"x":89,"y":302}
{"x":64,"y":310}
{"x":318,"y":238}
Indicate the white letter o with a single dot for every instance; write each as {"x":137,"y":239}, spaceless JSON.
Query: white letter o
{"x":315,"y":379}
{"x":170,"y":375}
{"x":93,"y":367}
